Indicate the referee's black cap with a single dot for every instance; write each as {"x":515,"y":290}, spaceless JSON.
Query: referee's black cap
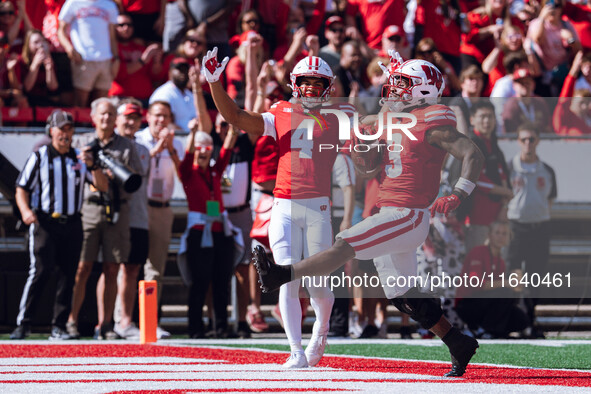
{"x":59,"y":118}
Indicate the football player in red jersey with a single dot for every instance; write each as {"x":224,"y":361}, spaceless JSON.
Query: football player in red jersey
{"x":409,"y":186}
{"x":300,"y":219}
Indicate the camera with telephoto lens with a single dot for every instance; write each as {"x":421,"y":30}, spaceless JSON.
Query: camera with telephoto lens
{"x":122,"y":174}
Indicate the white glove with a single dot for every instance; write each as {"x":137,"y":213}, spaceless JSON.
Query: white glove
{"x":384,"y":68}
{"x":395,"y":58}
{"x":211,"y":69}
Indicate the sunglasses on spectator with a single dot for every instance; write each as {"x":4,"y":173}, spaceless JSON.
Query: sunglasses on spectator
{"x":4,"y":13}
{"x":514,"y":36}
{"x":195,"y":41}
{"x":426,"y":51}
{"x":255,"y":21}
{"x":335,"y":30}
{"x":204,"y":148}
{"x":531,"y":140}
{"x":395,"y":38}
{"x":124,"y":24}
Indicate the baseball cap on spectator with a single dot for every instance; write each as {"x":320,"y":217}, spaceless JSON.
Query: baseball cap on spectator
{"x":393,"y":31}
{"x":334,"y":19}
{"x":59,"y":118}
{"x":129,"y":109}
{"x":245,"y":36}
{"x":521,"y":73}
{"x":179,"y":62}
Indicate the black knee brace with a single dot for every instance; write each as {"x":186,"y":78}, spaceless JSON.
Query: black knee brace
{"x":422,"y":308}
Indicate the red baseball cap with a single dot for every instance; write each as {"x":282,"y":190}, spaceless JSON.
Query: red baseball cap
{"x":521,"y":73}
{"x":129,"y":109}
{"x":245,"y":36}
{"x":179,"y":61}
{"x":334,"y":19}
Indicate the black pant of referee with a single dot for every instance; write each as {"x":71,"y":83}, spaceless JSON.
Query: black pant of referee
{"x":54,"y":245}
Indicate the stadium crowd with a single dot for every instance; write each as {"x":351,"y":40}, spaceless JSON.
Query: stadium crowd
{"x":500,"y":60}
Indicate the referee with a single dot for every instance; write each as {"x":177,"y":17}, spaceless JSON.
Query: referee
{"x":49,"y":194}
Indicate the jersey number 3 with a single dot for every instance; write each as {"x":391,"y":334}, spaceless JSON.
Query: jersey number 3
{"x":394,"y":169}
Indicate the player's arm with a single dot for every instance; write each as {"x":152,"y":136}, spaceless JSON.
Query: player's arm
{"x":462,"y":148}
{"x":250,"y":122}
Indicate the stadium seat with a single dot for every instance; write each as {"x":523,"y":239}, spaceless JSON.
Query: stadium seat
{"x":14,"y":114}
{"x":42,"y":113}
{"x":82,"y":115}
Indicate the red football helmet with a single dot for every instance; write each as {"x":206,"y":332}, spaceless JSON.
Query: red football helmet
{"x":413,"y":82}
{"x":314,"y":67}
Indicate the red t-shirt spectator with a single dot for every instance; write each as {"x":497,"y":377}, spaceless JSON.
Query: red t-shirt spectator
{"x":137,"y":84}
{"x":565,"y":121}
{"x":265,"y":161}
{"x":51,"y":24}
{"x":235,"y":76}
{"x":35,"y":11}
{"x":475,"y":46}
{"x":376,"y":16}
{"x":580,"y":17}
{"x":445,"y":32}
{"x":39,"y":89}
{"x":199,"y":184}
{"x":141,"y":6}
{"x":469,"y":5}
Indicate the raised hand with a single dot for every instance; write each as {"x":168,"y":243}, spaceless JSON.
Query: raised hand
{"x":395,"y":59}
{"x":212,"y":69}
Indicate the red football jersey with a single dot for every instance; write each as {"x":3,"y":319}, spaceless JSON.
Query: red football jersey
{"x":412,"y":176}
{"x":304,"y":169}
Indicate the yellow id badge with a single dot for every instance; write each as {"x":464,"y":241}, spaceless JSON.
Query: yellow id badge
{"x":212,"y":208}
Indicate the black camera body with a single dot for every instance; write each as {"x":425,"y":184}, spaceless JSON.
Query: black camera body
{"x":122,"y":174}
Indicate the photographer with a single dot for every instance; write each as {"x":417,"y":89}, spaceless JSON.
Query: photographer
{"x":105,"y":222}
{"x":55,"y":227}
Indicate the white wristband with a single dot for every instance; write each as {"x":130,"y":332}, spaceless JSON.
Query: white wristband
{"x":465,"y":185}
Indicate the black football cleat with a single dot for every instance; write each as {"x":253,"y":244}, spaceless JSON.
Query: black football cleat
{"x":461,"y":355}
{"x":271,"y":276}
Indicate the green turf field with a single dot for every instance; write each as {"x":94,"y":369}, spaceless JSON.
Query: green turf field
{"x":567,"y":356}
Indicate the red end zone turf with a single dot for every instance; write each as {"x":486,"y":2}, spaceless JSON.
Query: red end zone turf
{"x":362,"y":367}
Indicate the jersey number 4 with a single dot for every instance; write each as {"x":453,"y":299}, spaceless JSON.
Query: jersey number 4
{"x":302,"y":138}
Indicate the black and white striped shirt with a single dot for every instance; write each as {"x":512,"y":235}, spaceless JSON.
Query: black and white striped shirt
{"x":55,"y":182}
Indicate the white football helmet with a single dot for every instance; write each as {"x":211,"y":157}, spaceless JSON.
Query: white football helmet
{"x":414,"y":82}
{"x":315,"y":67}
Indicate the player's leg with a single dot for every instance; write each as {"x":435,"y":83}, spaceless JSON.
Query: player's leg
{"x":286,"y":242}
{"x":403,"y":231}
{"x":426,"y":310}
{"x":318,"y":237}
{"x":368,"y":239}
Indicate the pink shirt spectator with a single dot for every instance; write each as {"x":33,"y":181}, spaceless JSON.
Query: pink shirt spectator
{"x":551,"y":50}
